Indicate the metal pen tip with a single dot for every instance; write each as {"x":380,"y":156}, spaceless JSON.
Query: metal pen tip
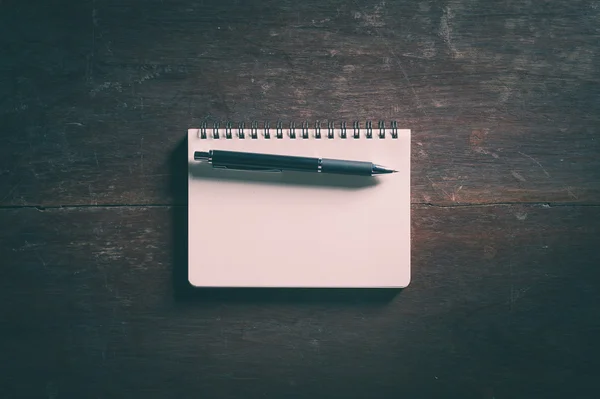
{"x":380,"y":170}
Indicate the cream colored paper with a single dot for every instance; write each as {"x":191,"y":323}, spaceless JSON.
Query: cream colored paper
{"x":261,"y":229}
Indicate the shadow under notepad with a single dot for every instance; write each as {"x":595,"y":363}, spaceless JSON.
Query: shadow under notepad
{"x":350,"y":296}
{"x":185,"y":292}
{"x":200,"y":170}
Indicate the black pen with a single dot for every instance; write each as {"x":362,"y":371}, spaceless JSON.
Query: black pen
{"x":280,"y":163}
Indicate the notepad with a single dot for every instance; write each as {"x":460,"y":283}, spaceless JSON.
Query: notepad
{"x":295,"y":229}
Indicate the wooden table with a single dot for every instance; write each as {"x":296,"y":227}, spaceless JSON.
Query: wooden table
{"x":503,"y":100}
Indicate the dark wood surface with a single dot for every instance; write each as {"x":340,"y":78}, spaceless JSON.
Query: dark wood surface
{"x":503,"y":99}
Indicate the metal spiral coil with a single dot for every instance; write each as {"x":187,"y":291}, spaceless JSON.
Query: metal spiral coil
{"x":305,"y":130}
{"x":293,"y":130}
{"x":254,"y":130}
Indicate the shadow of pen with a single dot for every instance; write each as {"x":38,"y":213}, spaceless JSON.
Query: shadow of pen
{"x":203,"y":170}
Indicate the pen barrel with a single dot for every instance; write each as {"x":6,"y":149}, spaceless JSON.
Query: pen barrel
{"x":235,"y":159}
{"x":337,"y":166}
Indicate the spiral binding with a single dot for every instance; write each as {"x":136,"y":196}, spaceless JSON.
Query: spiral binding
{"x":305,"y":130}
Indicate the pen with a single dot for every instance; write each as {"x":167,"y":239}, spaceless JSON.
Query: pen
{"x":280,"y":163}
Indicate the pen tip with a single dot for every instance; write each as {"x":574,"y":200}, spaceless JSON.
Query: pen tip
{"x":379,"y":170}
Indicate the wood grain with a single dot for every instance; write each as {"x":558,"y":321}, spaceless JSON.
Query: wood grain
{"x":510,"y":310}
{"x":502,"y":97}
{"x":503,"y":102}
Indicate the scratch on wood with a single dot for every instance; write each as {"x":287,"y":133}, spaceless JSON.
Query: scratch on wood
{"x":419,"y":104}
{"x":96,"y":158}
{"x":445,"y":31}
{"x":40,"y":258}
{"x":450,"y":197}
{"x":517,"y":176}
{"x":106,"y":86}
{"x":12,"y":190}
{"x":489,"y":252}
{"x":399,"y":63}
{"x":477,"y":138}
{"x":515,"y":295}
{"x":374,"y":19}
{"x":521,"y":215}
{"x":571,"y":193}
{"x":153,"y":71}
{"x":397,"y":58}
{"x":535,"y":160}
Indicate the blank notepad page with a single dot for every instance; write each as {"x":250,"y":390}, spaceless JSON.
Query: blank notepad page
{"x":294,"y":229}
